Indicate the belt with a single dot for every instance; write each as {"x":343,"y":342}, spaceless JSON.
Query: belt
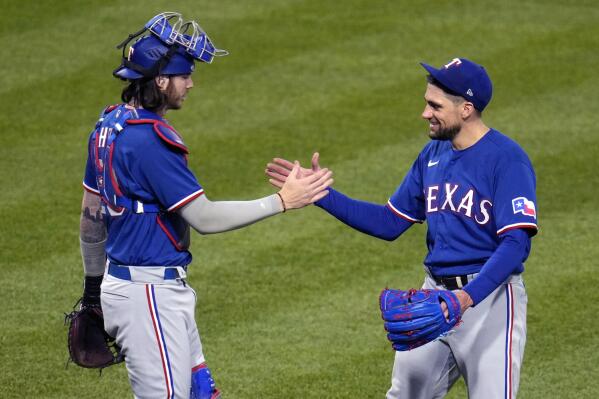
{"x":454,"y":282}
{"x":146,"y":273}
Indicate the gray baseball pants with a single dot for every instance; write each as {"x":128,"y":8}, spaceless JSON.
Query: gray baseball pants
{"x":486,"y":349}
{"x":153,"y":321}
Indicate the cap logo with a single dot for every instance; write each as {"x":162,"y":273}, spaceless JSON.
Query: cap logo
{"x":154,"y":53}
{"x":470,"y":93}
{"x":455,"y":61}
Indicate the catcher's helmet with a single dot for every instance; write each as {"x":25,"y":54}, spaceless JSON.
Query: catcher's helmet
{"x":169,"y":49}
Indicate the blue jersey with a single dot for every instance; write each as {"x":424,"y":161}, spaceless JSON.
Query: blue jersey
{"x":141,"y":173}
{"x":468,"y":198}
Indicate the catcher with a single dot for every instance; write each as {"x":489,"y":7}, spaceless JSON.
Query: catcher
{"x":139,"y":202}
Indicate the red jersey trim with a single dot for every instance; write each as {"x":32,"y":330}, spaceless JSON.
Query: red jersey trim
{"x":90,"y":189}
{"x":168,"y":234}
{"x":112,"y":173}
{"x":402,"y":215}
{"x":156,"y":124}
{"x":185,"y":200}
{"x":532,"y":226}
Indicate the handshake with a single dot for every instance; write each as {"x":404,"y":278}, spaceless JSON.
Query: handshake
{"x":299,"y":186}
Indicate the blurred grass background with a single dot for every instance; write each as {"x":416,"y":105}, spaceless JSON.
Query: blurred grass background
{"x":288,"y":307}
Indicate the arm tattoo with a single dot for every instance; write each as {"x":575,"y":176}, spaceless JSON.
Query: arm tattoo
{"x":92,"y":227}
{"x":87,"y":214}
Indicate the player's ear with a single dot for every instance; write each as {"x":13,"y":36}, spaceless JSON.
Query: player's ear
{"x":161,"y":82}
{"x":467,"y":110}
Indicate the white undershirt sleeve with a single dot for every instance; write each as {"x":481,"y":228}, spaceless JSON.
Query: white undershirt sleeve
{"x":208,"y":217}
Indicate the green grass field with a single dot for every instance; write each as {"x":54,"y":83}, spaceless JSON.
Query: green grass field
{"x":288,"y":307}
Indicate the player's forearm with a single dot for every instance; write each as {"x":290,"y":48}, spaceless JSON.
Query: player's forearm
{"x":91,"y":226}
{"x":92,"y":238}
{"x":208,"y":217}
{"x":506,"y":260}
{"x":372,"y":219}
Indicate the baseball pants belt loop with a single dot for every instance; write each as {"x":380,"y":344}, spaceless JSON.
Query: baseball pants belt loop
{"x":147,"y":274}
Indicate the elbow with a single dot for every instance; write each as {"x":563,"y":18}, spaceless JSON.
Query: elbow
{"x":206,"y":229}
{"x":386,"y":235}
{"x":391,"y":234}
{"x":390,"y":237}
{"x":203,"y":231}
{"x":383,"y":234}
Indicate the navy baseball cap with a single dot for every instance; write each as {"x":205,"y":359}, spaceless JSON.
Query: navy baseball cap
{"x":466,"y":79}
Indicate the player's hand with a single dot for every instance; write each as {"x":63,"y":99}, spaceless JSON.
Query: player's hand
{"x":465,"y":302}
{"x":279,"y":169}
{"x":298,"y":191}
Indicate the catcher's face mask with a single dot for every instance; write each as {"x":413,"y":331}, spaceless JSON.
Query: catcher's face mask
{"x":169,"y":49}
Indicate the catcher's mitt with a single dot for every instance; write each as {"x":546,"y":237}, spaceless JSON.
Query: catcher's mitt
{"x":415,"y":317}
{"x":89,"y":345}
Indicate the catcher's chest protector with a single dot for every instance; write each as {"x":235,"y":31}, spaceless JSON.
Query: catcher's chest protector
{"x":109,"y":128}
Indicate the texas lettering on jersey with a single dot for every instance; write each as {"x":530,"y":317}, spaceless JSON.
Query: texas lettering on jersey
{"x":449,"y":197}
{"x":469,"y":199}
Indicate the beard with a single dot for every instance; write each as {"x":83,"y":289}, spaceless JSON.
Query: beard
{"x":174,"y":100}
{"x":445,"y":133}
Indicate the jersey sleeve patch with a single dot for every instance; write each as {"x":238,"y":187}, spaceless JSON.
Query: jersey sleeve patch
{"x":514,"y":197}
{"x":524,"y":206}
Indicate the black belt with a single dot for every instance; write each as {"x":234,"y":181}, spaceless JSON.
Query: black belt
{"x":453,"y":282}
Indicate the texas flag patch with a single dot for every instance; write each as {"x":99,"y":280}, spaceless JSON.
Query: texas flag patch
{"x":524,"y":206}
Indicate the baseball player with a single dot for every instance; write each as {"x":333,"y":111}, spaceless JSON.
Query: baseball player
{"x":140,"y":199}
{"x":475,"y":188}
